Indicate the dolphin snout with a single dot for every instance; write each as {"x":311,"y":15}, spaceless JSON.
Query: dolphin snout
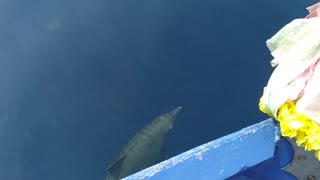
{"x":176,"y":110}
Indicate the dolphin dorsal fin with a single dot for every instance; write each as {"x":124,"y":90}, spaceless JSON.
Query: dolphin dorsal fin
{"x":116,"y":164}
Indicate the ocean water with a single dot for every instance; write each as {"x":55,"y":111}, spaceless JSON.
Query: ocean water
{"x":79,"y":78}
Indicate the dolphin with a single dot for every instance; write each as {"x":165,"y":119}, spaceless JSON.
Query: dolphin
{"x":144,"y":149}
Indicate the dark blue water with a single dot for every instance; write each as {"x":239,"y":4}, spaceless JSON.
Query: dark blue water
{"x":79,"y":78}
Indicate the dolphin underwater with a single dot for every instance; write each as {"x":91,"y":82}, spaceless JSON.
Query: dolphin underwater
{"x":144,"y":149}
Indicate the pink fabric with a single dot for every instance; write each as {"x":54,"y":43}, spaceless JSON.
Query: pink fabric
{"x":296,"y":53}
{"x":313,"y":10}
{"x":301,"y":82}
{"x":309,"y":104}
